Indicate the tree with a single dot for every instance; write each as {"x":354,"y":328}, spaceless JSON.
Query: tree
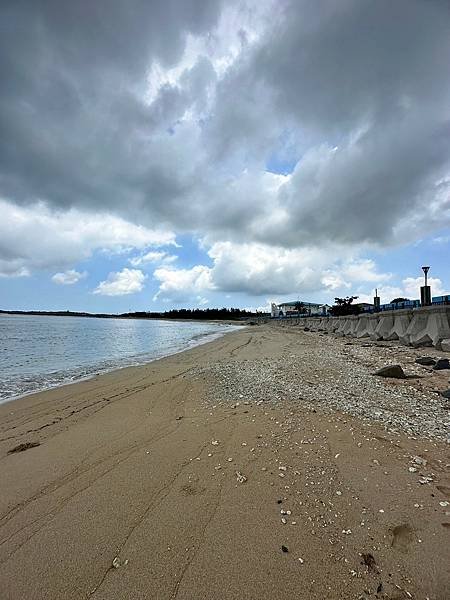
{"x":345,"y":306}
{"x":398,"y":300}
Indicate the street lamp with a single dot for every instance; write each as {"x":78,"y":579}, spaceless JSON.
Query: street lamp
{"x":425,"y":270}
{"x":425,"y":290}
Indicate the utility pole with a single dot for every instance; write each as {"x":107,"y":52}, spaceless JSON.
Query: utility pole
{"x":376,"y":301}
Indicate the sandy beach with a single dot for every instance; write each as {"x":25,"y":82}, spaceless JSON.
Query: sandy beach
{"x":267,"y":464}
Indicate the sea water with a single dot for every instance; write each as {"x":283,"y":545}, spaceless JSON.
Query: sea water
{"x":40,"y":352}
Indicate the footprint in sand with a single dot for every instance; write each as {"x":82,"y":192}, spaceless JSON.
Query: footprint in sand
{"x":444,"y":489}
{"x":402,"y":537}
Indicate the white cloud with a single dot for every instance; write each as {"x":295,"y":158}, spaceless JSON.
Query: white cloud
{"x":412,"y":286}
{"x":409,"y":288}
{"x":363,"y":270}
{"x":127,"y":281}
{"x":68,"y":277}
{"x":154,"y":256}
{"x":36,"y":237}
{"x":178,"y":285}
{"x":259,"y":269}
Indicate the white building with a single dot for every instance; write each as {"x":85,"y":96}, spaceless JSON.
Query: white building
{"x":289,"y":309}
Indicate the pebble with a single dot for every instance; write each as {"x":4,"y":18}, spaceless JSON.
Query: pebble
{"x":345,"y":385}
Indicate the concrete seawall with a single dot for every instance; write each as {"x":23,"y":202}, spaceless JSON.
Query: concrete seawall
{"x":425,"y":326}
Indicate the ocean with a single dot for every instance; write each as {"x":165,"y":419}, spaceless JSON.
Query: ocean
{"x":40,"y":352}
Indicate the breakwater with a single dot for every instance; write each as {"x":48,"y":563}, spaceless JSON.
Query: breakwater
{"x":424,"y":326}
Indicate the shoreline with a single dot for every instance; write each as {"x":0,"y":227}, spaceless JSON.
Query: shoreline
{"x":202,"y":339}
{"x":235,"y":461}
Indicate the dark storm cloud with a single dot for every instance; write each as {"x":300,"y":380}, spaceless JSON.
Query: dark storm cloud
{"x":72,"y":120}
{"x":360,"y":90}
{"x":365,"y":87}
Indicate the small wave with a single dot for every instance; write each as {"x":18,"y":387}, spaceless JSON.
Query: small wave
{"x":12,"y":388}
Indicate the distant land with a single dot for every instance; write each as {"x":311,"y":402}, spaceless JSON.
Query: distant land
{"x":183,"y":313}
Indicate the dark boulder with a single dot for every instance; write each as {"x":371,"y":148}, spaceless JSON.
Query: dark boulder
{"x":426,"y":361}
{"x":446,"y":394}
{"x":394,"y":371}
{"x":442,"y":363}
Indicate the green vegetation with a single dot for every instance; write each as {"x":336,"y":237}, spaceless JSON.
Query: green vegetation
{"x":345,"y":306}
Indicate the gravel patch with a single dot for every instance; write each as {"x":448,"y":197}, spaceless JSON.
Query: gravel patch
{"x":331,"y":374}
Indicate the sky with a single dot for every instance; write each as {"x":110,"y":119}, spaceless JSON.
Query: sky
{"x":165,"y":153}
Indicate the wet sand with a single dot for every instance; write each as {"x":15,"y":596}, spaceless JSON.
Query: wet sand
{"x":150,"y":482}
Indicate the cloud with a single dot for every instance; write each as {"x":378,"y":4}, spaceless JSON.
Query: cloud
{"x":178,"y":285}
{"x":153,"y":257}
{"x":127,"y":281}
{"x":408,"y":288}
{"x":257,"y":269}
{"x":412,"y":286}
{"x":13,"y":268}
{"x":301,"y":133}
{"x":37,"y":237}
{"x":68,"y":277}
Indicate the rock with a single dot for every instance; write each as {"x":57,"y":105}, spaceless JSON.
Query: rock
{"x":442,"y":363}
{"x":394,"y":371}
{"x":306,"y":329}
{"x":284,"y":549}
{"x":446,"y":394}
{"x":445,"y":345}
{"x":426,"y":361}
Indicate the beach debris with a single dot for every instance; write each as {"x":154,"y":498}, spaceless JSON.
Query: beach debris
{"x":412,"y":469}
{"x":116,"y":563}
{"x":441,"y":364}
{"x":338,"y":493}
{"x":230,"y":459}
{"x":444,"y":503}
{"x":179,"y":418}
{"x":426,"y":361}
{"x":283,"y":520}
{"x":240,"y":477}
{"x":282,"y":468}
{"x":23,"y":447}
{"x":215,"y":442}
{"x":425,"y":479}
{"x":284,"y":549}
{"x":394,"y":371}
{"x":346,"y":531}
{"x":300,"y":560}
{"x":420,"y":461}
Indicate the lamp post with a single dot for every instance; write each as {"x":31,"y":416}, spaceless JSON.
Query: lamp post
{"x":425,"y":290}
